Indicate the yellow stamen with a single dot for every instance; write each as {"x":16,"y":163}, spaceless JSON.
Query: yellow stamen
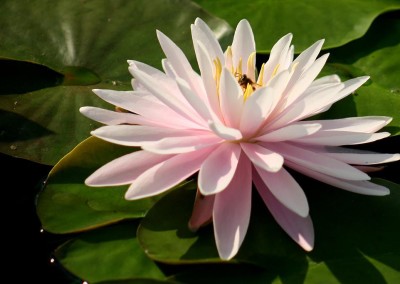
{"x":250,"y":65}
{"x":275,"y":70}
{"x":229,"y":56}
{"x":218,"y":70}
{"x":248,"y":92}
{"x":293,"y":67}
{"x":239,"y":67}
{"x":261,"y":75}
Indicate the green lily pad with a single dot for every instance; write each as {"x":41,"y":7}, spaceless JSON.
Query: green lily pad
{"x":377,"y":54}
{"x":111,"y":253}
{"x":70,"y":48}
{"x":353,"y":233}
{"x":338,"y":21}
{"x":67,"y":205}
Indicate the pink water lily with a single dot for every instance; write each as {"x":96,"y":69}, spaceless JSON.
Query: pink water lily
{"x":236,"y":128}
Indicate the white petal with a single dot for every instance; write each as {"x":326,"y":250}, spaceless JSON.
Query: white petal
{"x":113,"y":118}
{"x":360,"y":157}
{"x":317,"y":162}
{"x":207,"y":75}
{"x":367,"y":124}
{"x":225,"y":132}
{"x":121,"y":99}
{"x":283,"y":186}
{"x":292,"y":131}
{"x":307,"y":106}
{"x":231,"y":213}
{"x":195,"y":101}
{"x":340,"y":138}
{"x":125,"y":169}
{"x":277,"y":57}
{"x":218,"y":169}
{"x":298,"y":228}
{"x":231,"y":98}
{"x":256,"y":110}
{"x":298,"y":88}
{"x":166,"y":174}
{"x":150,"y":70}
{"x":137,"y":135}
{"x":180,"y":64}
{"x":165,"y":96}
{"x":182,"y":144}
{"x":243,"y":44}
{"x":360,"y":187}
{"x":262,"y":157}
{"x":307,"y":57}
{"x":202,"y":33}
{"x":329,"y":79}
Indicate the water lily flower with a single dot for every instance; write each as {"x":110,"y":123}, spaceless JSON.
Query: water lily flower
{"x":236,"y":128}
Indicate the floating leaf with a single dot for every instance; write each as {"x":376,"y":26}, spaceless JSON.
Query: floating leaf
{"x":338,"y":21}
{"x":67,"y":205}
{"x":110,"y":253}
{"x":376,"y":54}
{"x":72,"y":47}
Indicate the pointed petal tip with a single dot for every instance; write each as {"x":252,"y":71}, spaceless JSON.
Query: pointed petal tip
{"x":306,"y":245}
{"x":192,"y":227}
{"x":198,"y":20}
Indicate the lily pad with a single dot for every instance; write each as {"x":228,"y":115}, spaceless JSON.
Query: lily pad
{"x":110,"y":253}
{"x":67,"y":205}
{"x":377,"y":54}
{"x":83,"y":45}
{"x":338,"y":21}
{"x":347,"y":239}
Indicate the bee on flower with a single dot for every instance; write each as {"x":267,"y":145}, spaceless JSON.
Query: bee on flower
{"x":236,"y":129}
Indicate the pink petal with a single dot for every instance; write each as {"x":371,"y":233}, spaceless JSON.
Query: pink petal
{"x":324,"y":81}
{"x":243,"y":45}
{"x":262,"y":157}
{"x":300,"y":229}
{"x":150,"y":70}
{"x":144,"y":104}
{"x":138,"y":135}
{"x":113,"y":118}
{"x":277,"y":57}
{"x":340,"y":138}
{"x":125,"y":169}
{"x":298,"y":88}
{"x":165,"y":96}
{"x":256,"y":110}
{"x":180,"y":64}
{"x":227,"y":133}
{"x":202,"y":211}
{"x":292,"y":131}
{"x":360,"y":187}
{"x":286,"y":190}
{"x":231,"y":214}
{"x":360,"y":157}
{"x":307,"y":57}
{"x":367,"y":124}
{"x":202,"y":33}
{"x":207,"y":74}
{"x":182,"y":144}
{"x":118,"y":98}
{"x":307,"y":106}
{"x":317,"y":161}
{"x":195,"y":101}
{"x":167,"y":174}
{"x":231,"y":98}
{"x":218,"y":169}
